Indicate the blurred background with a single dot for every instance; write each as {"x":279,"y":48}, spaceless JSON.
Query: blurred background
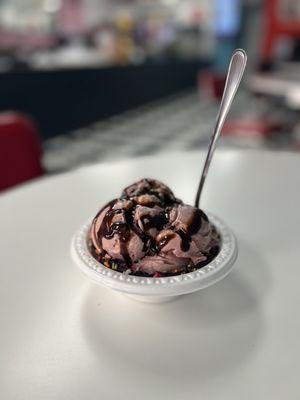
{"x":86,"y":81}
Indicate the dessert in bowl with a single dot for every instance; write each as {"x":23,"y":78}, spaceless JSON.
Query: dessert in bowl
{"x":150,"y":245}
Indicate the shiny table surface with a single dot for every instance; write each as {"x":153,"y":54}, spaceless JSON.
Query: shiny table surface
{"x":61,"y":337}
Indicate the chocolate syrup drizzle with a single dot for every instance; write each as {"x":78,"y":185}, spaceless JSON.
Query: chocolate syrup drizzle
{"x":193,"y":227}
{"x":108,"y":229}
{"x":124,"y":228}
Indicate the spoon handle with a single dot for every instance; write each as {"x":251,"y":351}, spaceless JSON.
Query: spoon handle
{"x":235,"y":72}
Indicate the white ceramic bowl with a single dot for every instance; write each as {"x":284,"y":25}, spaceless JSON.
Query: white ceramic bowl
{"x":156,"y":290}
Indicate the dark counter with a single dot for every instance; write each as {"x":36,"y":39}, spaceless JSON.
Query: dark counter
{"x":68,"y":99}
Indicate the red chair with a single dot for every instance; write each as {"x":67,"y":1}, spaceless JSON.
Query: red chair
{"x":20,"y":149}
{"x":276,"y":27}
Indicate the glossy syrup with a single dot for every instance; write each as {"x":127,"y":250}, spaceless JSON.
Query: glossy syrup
{"x":126,"y":226}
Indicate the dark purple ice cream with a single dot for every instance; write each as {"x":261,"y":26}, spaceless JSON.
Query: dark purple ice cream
{"x":147,"y":231}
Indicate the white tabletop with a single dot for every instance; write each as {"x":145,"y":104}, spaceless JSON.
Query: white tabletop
{"x":61,"y":337}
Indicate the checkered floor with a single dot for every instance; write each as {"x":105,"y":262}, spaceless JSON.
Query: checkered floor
{"x":181,"y":122}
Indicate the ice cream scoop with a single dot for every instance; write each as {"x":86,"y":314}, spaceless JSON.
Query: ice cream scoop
{"x":147,"y":190}
{"x":147,"y":231}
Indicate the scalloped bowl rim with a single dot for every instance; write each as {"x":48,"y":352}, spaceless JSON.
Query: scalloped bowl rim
{"x":175,"y":285}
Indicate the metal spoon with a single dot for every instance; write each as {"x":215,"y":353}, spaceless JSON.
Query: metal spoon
{"x":235,"y":72}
